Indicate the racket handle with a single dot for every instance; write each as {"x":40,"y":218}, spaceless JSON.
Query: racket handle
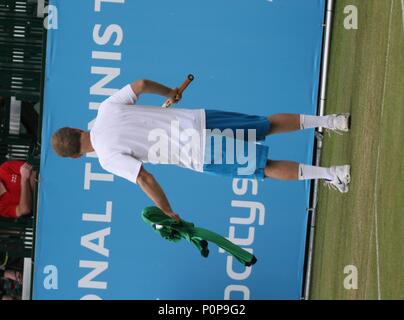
{"x":186,"y":83}
{"x":182,"y":87}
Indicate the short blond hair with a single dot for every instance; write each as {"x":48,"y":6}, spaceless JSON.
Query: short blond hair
{"x":66,"y":142}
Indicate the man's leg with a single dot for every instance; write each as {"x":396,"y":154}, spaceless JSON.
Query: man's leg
{"x":288,"y":170}
{"x":286,"y":122}
{"x":337,"y":176}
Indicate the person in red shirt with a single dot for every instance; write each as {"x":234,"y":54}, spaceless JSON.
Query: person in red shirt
{"x":17,"y":181}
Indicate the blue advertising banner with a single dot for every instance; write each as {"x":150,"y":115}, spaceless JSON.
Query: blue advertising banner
{"x":257,"y":57}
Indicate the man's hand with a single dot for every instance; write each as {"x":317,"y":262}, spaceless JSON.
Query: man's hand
{"x":173,"y":215}
{"x":174,"y":96}
{"x":33,"y":180}
{"x":25,"y":171}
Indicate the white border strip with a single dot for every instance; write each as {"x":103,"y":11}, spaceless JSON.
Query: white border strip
{"x":26,"y":281}
{"x":323,"y":95}
{"x":40,"y":8}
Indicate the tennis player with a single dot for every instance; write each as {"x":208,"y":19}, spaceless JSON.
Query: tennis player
{"x":125,"y":135}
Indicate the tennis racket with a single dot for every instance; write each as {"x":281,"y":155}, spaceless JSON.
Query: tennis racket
{"x":181,"y":89}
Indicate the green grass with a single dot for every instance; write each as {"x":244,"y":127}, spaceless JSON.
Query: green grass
{"x":361,"y":82}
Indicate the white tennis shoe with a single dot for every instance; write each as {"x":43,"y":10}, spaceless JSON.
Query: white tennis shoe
{"x":341,"y":180}
{"x":339,"y":123}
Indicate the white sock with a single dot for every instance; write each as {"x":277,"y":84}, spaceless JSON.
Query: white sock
{"x":307,"y":172}
{"x":308,"y":122}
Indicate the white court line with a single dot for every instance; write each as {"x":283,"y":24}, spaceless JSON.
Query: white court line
{"x":375,"y":194}
{"x":402,"y":11}
{"x":379,"y":295}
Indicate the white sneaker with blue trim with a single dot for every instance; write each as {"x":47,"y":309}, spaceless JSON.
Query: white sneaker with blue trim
{"x":341,"y":180}
{"x":339,"y":123}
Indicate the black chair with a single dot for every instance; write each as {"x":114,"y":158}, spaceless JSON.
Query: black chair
{"x":21,"y":50}
{"x":16,"y":237}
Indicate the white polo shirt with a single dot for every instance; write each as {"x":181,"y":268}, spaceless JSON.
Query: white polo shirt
{"x":125,"y":135}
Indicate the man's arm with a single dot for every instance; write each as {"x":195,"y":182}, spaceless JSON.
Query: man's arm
{"x":153,"y":190}
{"x":25,"y":205}
{"x":148,"y":86}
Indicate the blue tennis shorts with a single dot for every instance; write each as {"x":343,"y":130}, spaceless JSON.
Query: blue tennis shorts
{"x":234,"y":144}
